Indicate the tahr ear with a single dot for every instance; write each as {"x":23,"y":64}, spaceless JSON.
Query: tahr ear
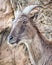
{"x":34,"y":13}
{"x":32,"y":10}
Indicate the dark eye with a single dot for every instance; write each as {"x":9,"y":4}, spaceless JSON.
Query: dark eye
{"x":24,"y":22}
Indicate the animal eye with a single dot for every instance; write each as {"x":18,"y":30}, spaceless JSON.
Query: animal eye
{"x":24,"y":22}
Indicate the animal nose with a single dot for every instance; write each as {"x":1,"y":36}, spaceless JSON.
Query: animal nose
{"x":11,"y":38}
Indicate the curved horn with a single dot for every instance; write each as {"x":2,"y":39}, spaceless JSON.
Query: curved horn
{"x":17,"y":14}
{"x":29,"y":8}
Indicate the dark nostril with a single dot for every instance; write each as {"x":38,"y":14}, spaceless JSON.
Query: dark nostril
{"x":11,"y":38}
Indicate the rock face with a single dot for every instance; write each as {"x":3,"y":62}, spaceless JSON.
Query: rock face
{"x":44,"y":23}
{"x":19,"y":54}
{"x":6,"y":14}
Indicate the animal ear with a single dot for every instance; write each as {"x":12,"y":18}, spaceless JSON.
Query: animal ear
{"x":31,"y":10}
{"x":34,"y":13}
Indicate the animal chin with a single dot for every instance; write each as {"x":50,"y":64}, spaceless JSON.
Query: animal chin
{"x":18,"y":40}
{"x":13,"y":42}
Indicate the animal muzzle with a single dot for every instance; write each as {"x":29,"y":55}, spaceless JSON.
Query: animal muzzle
{"x":13,"y":40}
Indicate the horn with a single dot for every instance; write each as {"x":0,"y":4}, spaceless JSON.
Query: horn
{"x":28,"y":9}
{"x":17,"y":14}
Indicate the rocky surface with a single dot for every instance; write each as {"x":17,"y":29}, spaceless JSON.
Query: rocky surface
{"x":6,"y":14}
{"x":44,"y":23}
